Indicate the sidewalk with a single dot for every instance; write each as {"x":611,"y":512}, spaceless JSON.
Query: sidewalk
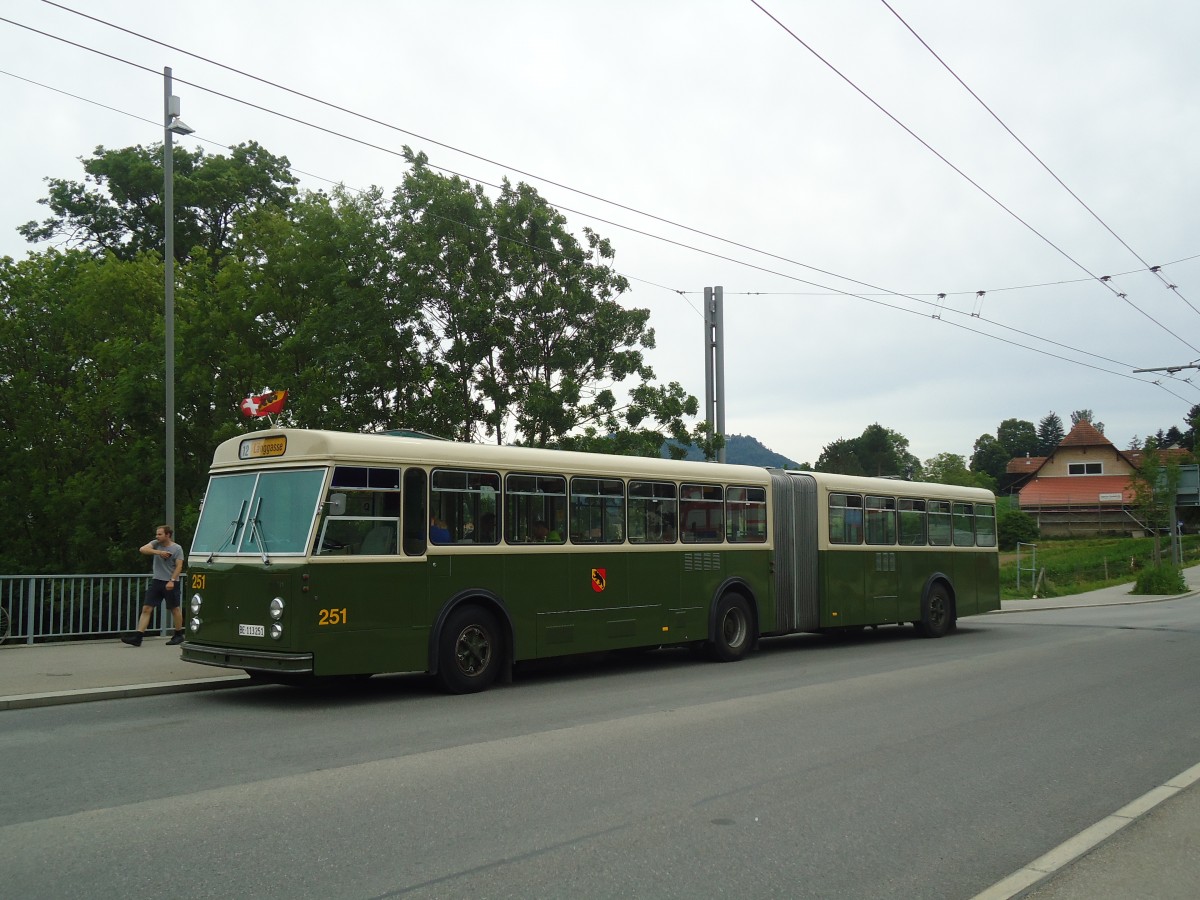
{"x":81,"y":671}
{"x":1146,"y":849}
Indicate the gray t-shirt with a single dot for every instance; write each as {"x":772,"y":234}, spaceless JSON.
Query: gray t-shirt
{"x":164,"y":569}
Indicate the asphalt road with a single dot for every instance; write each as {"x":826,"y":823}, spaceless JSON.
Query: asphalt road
{"x":885,"y":766}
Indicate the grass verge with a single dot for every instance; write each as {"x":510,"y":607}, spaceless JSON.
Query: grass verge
{"x":1075,"y":566}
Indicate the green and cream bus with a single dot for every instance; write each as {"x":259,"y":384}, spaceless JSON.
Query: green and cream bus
{"x":321,"y":553}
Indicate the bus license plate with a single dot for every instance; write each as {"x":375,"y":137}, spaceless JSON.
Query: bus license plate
{"x":252,"y":631}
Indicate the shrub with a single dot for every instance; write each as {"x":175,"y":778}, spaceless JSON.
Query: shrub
{"x":1160,"y":580}
{"x":1014,"y":526}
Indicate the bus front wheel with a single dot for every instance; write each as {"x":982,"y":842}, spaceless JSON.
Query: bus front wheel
{"x":937,"y":613}
{"x":470,"y":650}
{"x":733,"y":634}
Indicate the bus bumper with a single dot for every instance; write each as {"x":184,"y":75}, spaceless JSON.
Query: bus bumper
{"x":250,"y":660}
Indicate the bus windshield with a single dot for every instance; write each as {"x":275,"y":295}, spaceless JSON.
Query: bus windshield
{"x":259,"y":512}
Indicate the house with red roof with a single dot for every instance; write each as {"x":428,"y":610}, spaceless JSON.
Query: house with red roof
{"x":1084,"y":486}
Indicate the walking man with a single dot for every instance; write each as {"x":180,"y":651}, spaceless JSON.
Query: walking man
{"x":167,"y":567}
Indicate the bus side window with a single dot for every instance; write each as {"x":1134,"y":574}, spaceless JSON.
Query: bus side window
{"x":939,"y":522}
{"x":845,"y":519}
{"x":912,"y":522}
{"x":414,"y":512}
{"x":597,"y":512}
{"x":881,"y":520}
{"x":702,"y":513}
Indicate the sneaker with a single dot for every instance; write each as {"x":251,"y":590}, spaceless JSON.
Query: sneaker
{"x":133,"y":640}
{"x":176,"y":638}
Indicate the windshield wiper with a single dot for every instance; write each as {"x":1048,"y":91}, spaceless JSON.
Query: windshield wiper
{"x":256,"y":533}
{"x":234,"y":527}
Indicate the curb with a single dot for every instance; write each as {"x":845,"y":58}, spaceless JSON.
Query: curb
{"x":1030,"y":876}
{"x":87,"y":695}
{"x":1156,"y":599}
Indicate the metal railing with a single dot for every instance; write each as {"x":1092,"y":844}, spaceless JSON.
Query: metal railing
{"x":36,"y":608}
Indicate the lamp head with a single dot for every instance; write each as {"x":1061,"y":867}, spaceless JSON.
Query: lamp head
{"x":178,"y":126}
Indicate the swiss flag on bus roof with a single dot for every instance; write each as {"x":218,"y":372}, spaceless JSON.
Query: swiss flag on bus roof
{"x":266,"y":405}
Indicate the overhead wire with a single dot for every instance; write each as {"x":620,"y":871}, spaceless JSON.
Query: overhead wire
{"x":331,"y":181}
{"x":680,"y":244}
{"x":1151,"y":268}
{"x":557,"y":184}
{"x":963,"y":174}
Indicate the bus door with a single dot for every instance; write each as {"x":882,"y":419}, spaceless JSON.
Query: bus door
{"x":369,"y":590}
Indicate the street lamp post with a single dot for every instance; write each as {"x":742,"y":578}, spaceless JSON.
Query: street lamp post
{"x":172,"y":125}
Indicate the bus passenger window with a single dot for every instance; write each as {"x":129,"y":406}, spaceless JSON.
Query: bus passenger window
{"x":535,"y":509}
{"x":939,"y":523}
{"x":597,"y":513}
{"x":652,"y":512}
{"x":845,"y":519}
{"x":912,"y":522}
{"x":463,"y":507}
{"x":985,"y":525}
{"x":702,"y":513}
{"x":881,"y":520}
{"x":964,"y":525}
{"x":746,"y":515}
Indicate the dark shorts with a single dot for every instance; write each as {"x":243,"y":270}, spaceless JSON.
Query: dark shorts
{"x":158,"y":592}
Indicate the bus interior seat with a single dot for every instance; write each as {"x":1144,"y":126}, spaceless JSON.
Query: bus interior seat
{"x":380,"y":541}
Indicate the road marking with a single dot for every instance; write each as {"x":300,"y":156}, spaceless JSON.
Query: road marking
{"x":1020,"y":881}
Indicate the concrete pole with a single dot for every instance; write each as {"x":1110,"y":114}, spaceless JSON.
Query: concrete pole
{"x":719,"y":321}
{"x":169,"y":288}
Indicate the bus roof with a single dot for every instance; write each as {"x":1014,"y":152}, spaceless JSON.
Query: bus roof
{"x":302,"y":446}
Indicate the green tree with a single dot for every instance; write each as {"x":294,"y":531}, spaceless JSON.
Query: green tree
{"x":639,"y":428}
{"x":1189,"y":435}
{"x":841,"y":456}
{"x":1155,"y":487}
{"x":989,"y":458}
{"x":118,"y":207}
{"x":1086,"y":415}
{"x":1049,"y":433}
{"x":571,"y":343}
{"x":437,"y":309}
{"x":877,"y":451}
{"x":81,"y":396}
{"x":336,"y":327}
{"x":1018,"y":437}
{"x":443,"y":241}
{"x":950,"y":468}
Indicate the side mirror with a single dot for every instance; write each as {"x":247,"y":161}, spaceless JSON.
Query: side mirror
{"x":336,"y":505}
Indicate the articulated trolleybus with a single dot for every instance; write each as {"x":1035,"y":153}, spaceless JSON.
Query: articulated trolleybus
{"x":320,"y":553}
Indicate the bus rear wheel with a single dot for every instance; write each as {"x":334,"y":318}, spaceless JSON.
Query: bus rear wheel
{"x":733,"y":634}
{"x":469,"y":651}
{"x":937,"y":613}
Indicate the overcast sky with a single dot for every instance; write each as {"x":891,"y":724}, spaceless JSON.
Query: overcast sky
{"x":712,"y":116}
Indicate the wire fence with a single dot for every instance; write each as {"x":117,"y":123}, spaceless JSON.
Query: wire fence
{"x":37,"y":608}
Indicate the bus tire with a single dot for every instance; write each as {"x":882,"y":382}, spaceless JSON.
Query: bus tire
{"x":937,"y":612}
{"x":470,"y":648}
{"x":733,"y":631}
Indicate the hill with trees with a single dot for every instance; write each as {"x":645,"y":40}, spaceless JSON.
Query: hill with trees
{"x":742,"y":450}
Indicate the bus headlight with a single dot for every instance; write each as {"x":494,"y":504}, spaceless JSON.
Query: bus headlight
{"x":197,"y":600}
{"x":194,"y":624}
{"x":277,"y":608}
{"x":276,"y":630}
